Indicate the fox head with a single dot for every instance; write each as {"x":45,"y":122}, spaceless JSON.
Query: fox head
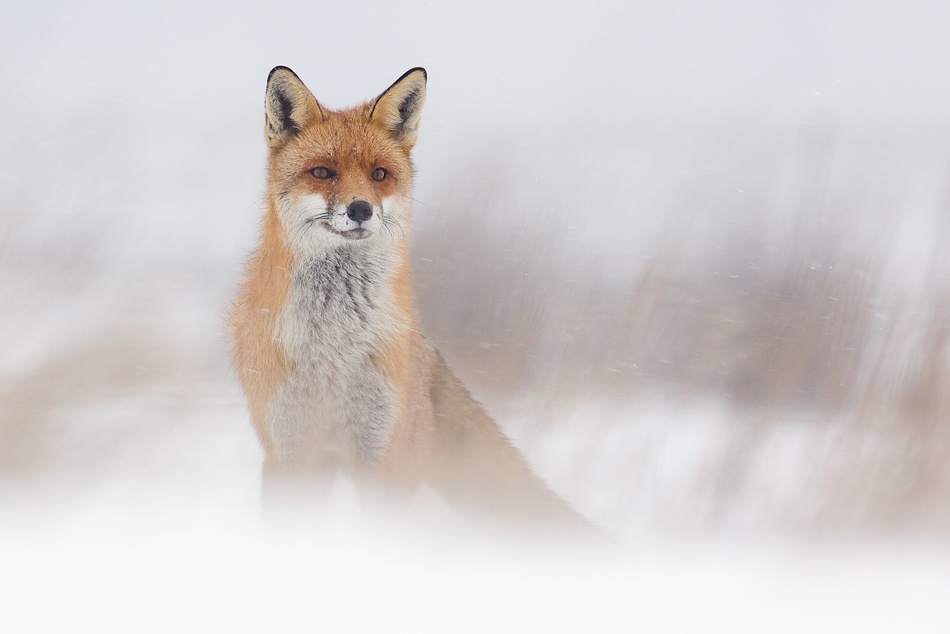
{"x":339,"y":179}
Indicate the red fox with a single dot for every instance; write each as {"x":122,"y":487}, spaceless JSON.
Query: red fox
{"x":325,"y":337}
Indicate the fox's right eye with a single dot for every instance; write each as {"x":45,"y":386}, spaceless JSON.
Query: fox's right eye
{"x":322,"y":172}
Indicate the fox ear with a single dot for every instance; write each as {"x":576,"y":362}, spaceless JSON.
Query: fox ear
{"x":288,"y":106}
{"x":399,"y":108}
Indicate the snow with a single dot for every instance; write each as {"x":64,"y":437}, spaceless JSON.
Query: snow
{"x":193,"y":581}
{"x":577,"y":147}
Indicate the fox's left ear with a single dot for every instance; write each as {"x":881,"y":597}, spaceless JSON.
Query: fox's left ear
{"x":399,"y":108}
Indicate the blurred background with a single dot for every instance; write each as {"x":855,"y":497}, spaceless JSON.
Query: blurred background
{"x":691,"y":255}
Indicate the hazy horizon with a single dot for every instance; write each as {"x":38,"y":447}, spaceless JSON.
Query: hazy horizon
{"x":690,"y":256}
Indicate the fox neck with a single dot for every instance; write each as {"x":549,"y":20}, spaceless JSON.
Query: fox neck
{"x":346,"y":301}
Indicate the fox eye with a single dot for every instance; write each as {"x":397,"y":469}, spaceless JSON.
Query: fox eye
{"x":379,"y":174}
{"x":322,"y":172}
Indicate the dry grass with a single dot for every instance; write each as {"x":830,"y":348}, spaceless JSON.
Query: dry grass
{"x":815,"y":328}
{"x":807,"y":329}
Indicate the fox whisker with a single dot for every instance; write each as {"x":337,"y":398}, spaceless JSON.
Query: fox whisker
{"x":390,"y":224}
{"x":414,"y":199}
{"x":317,"y":218}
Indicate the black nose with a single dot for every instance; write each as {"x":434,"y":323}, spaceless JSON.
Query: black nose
{"x":359,"y":211}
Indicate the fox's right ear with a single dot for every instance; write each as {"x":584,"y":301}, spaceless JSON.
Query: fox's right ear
{"x":288,"y":106}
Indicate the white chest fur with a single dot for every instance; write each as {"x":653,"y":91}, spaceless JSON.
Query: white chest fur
{"x":335,"y":403}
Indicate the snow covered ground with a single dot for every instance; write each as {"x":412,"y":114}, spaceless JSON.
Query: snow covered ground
{"x":608,"y":168}
{"x":198,"y":582}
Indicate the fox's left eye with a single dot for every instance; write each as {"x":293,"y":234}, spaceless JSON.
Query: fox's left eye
{"x":379,"y":174}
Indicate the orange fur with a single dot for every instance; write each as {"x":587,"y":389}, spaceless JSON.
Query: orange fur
{"x":325,"y":336}
{"x":262,"y":366}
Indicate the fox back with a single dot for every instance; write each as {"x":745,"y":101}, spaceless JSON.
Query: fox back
{"x":325,"y":337}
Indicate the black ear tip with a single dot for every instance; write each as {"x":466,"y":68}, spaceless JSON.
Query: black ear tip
{"x":279,"y":69}
{"x":411,"y":71}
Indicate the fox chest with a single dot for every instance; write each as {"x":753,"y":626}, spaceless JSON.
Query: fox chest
{"x":334,"y":401}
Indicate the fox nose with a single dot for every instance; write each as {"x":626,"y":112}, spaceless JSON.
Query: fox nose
{"x":359,"y":211}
